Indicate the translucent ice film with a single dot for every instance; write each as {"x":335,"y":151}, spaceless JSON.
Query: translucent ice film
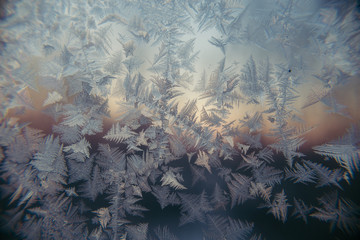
{"x":179,"y":119}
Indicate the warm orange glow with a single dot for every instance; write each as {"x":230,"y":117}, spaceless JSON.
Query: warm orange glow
{"x":328,"y":126}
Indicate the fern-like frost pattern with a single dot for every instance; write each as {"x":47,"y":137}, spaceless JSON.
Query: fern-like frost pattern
{"x":116,"y":123}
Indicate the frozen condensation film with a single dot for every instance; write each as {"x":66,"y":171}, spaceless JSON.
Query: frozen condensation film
{"x":179,"y":119}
